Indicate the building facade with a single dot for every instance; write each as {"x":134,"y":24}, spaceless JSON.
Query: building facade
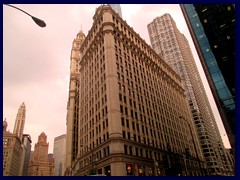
{"x":212,"y":28}
{"x":40,"y":165}
{"x":20,"y":121}
{"x":174,"y":48}
{"x":12,"y":152}
{"x":72,"y":139}
{"x":59,"y":155}
{"x":124,"y":106}
{"x":231,"y":159}
{"x":13,"y":148}
{"x":26,"y":146}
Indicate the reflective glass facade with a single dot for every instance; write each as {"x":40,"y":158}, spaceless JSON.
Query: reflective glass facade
{"x":117,"y":9}
{"x":212,"y":63}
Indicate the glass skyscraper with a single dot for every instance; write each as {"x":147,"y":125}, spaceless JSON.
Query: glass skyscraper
{"x":212,"y":28}
{"x":117,"y":9}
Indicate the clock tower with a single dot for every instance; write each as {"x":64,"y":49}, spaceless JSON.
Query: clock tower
{"x":41,"y":148}
{"x":40,"y":165}
{"x":72,"y":140}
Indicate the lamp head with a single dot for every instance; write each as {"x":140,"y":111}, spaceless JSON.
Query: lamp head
{"x":39,"y":22}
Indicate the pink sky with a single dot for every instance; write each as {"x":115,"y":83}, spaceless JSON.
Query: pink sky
{"x":36,"y":61}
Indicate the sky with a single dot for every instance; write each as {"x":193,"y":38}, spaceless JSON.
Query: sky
{"x":36,"y":61}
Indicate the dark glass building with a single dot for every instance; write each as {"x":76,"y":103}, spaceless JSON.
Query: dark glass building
{"x":212,"y":28}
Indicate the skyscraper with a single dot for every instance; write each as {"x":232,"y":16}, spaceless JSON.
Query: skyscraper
{"x":117,"y":9}
{"x":20,"y":121}
{"x":124,"y":106}
{"x":212,"y":28}
{"x":12,"y":152}
{"x":26,"y":145}
{"x":40,"y":164}
{"x":13,"y":147}
{"x":174,"y":48}
{"x":72,"y":139}
{"x":59,"y":155}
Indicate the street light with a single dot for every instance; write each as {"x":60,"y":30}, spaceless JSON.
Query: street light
{"x":194,"y":145}
{"x":150,"y":172}
{"x":38,"y":21}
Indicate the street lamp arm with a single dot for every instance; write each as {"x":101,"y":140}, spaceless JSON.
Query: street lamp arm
{"x":194,"y":145}
{"x":18,"y":9}
{"x":38,"y":21}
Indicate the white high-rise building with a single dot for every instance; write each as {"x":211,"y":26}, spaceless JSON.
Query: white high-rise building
{"x":59,"y":154}
{"x":20,"y":121}
{"x":173,"y":47}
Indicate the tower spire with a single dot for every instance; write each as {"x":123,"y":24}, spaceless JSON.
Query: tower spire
{"x":5,"y":124}
{"x":20,"y":121}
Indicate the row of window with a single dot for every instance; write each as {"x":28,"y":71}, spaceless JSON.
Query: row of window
{"x":148,"y":154}
{"x":94,"y":156}
{"x":127,"y":62}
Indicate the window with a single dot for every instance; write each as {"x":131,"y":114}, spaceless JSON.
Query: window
{"x":147,"y":154}
{"x":126,"y":111}
{"x":130,"y":150}
{"x":124,"y":134}
{"x":129,"y":137}
{"x":139,"y":139}
{"x":121,"y":108}
{"x":123,"y":124}
{"x":125,"y":149}
{"x":136,"y":151}
{"x":127,"y":122}
{"x":133,"y":125}
{"x":141,"y":152}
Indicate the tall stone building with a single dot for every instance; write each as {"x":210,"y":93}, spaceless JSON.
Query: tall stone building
{"x":20,"y":121}
{"x":212,"y":27}
{"x":40,"y":164}
{"x":72,"y":139}
{"x":13,"y":148}
{"x":59,"y":155}
{"x":12,"y":152}
{"x":174,"y":48}
{"x":124,"y":106}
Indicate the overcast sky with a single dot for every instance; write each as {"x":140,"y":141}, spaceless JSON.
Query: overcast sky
{"x":36,"y":61}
